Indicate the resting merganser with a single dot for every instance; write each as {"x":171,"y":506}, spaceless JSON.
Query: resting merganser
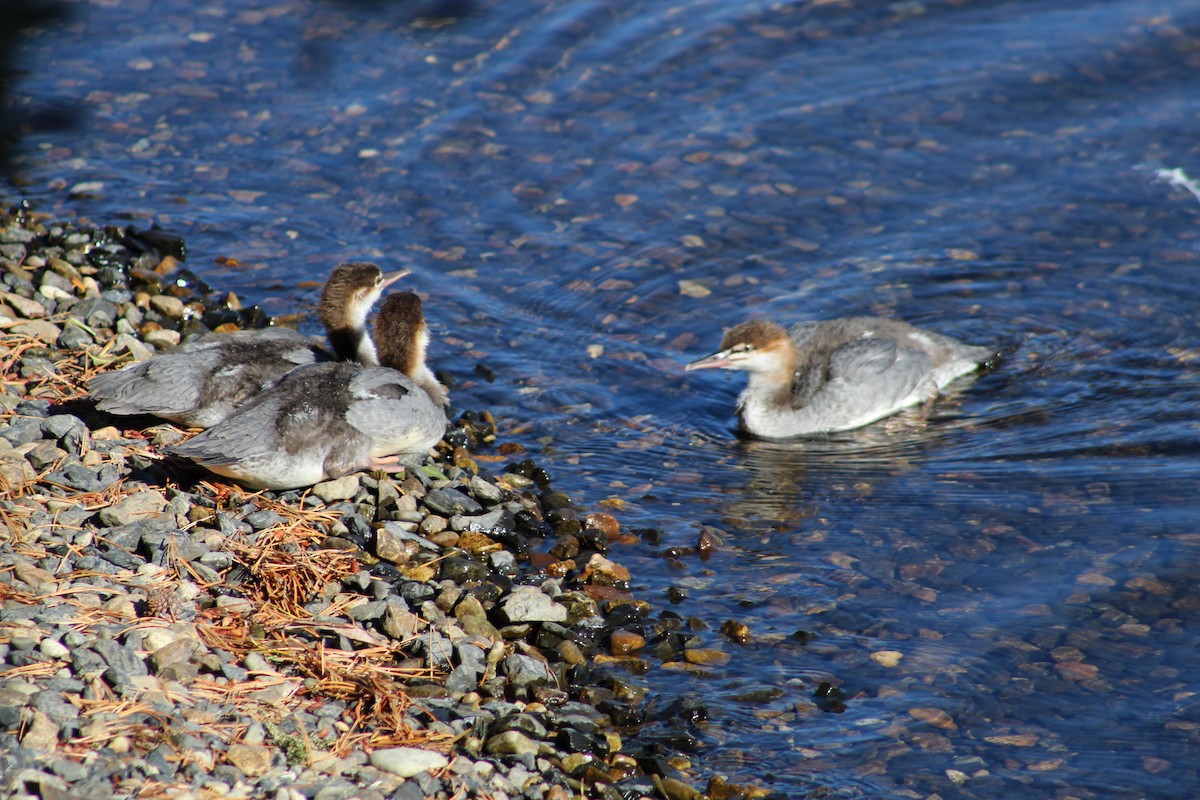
{"x":200,"y":383}
{"x":836,"y":375}
{"x":327,"y":420}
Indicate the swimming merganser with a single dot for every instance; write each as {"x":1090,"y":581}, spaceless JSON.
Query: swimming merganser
{"x":836,"y":375}
{"x":327,"y":420}
{"x":202,"y":382}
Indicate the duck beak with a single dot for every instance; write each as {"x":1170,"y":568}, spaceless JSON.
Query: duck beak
{"x":715,"y":361}
{"x":392,"y":277}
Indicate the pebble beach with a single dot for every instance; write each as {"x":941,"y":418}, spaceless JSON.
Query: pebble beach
{"x":463,"y":630}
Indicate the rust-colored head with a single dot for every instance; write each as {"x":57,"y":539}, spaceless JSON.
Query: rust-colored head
{"x":742,"y":345}
{"x":400,"y":333}
{"x":352,"y":289}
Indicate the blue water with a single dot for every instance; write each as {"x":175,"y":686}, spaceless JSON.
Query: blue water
{"x":1004,"y":592}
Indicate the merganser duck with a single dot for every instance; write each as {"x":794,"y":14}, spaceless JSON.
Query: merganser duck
{"x":836,"y":375}
{"x":200,"y":383}
{"x":327,"y":420}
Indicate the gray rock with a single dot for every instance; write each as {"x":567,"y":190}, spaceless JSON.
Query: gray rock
{"x":15,"y":470}
{"x":365,"y":612}
{"x":132,"y":508}
{"x":119,"y":657}
{"x":166,"y":542}
{"x":462,"y":679}
{"x":530,"y":604}
{"x":437,"y":649}
{"x":44,"y":454}
{"x":448,"y":502}
{"x":79,"y":477}
{"x":54,"y":706}
{"x":484,"y":490}
{"x":74,"y":337}
{"x":504,"y":563}
{"x":261,"y":520}
{"x":97,"y":312}
{"x":407,"y":761}
{"x":526,"y":671}
{"x":343,"y":488}
{"x":69,"y":430}
{"x":407,"y":536}
{"x":483,"y":522}
{"x":177,"y":652}
{"x":22,"y":430}
{"x":525,"y":723}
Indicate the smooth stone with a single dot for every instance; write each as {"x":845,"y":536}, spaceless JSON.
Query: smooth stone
{"x":389,"y":546}
{"x":162,"y":339}
{"x":626,"y":642}
{"x":524,"y":671}
{"x":30,"y":309}
{"x":510,"y":743}
{"x":177,"y":652}
{"x":407,"y":762}
{"x":343,"y":488}
{"x":484,"y":490}
{"x":132,"y":508}
{"x":168,"y":306}
{"x":706,"y":657}
{"x":530,"y":604}
{"x":39,"y":329}
{"x":251,"y":759}
{"x":448,"y":502}
{"x":41,"y":735}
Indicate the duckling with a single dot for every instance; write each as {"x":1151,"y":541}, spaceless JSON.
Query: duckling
{"x":327,"y":420}
{"x":200,"y":383}
{"x":836,"y":375}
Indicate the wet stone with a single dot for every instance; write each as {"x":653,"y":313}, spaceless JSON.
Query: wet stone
{"x":448,"y":502}
{"x":525,"y":671}
{"x":510,"y":743}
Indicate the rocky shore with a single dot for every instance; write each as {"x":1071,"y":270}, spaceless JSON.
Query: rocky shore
{"x":459,"y":632}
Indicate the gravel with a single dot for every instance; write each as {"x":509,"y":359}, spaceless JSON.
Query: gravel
{"x":165,"y":634}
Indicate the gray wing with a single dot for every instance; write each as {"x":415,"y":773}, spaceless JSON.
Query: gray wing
{"x":201,"y":382}
{"x":393,"y":412}
{"x":878,"y":370}
{"x":246,"y":436}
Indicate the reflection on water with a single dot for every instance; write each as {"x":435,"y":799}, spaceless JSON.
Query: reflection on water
{"x":997,"y":593}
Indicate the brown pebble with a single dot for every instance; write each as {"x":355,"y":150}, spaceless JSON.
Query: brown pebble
{"x":560,"y":568}
{"x":602,"y":523}
{"x":706,"y":657}
{"x":708,"y":542}
{"x":625,"y":642}
{"x":605,"y":572}
{"x":735,"y":631}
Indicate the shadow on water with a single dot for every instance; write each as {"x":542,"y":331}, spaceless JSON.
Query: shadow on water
{"x":1001,"y":589}
{"x":17,"y":18}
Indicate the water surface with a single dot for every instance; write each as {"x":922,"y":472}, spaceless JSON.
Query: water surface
{"x":1003,"y":590}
